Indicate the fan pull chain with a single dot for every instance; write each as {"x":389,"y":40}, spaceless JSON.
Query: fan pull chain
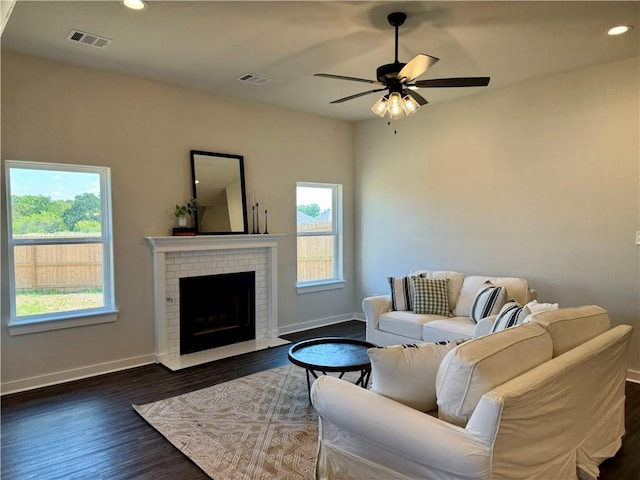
{"x":395,"y":131}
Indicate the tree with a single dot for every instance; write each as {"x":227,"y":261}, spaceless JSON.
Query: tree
{"x":313,"y":210}
{"x":87,"y":226}
{"x":38,"y":223}
{"x":25,"y":205}
{"x":58,"y":207}
{"x":84,"y":207}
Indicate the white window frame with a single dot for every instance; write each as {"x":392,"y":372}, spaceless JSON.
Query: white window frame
{"x":59,"y":320}
{"x":337,"y":281}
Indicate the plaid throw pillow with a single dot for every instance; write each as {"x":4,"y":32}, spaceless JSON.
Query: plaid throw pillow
{"x":430,"y":296}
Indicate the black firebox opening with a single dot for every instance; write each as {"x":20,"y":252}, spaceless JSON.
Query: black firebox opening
{"x":216,"y":310}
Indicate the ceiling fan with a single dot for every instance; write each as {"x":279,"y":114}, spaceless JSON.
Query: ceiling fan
{"x":399,"y":80}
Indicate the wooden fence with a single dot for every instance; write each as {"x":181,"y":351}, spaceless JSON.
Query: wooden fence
{"x":79,"y":267}
{"x":58,"y":267}
{"x":315,"y":254}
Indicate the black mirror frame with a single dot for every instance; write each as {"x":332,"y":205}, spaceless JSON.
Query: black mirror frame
{"x":240,"y":159}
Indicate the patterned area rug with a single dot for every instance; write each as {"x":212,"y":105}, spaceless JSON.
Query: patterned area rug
{"x":259,"y":426}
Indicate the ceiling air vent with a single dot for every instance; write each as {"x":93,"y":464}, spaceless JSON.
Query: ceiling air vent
{"x":251,"y":78}
{"x":88,"y":39}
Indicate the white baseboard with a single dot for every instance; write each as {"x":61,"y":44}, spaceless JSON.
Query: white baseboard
{"x":109,"y":367}
{"x":633,"y":376}
{"x":74,"y":374}
{"x":319,"y":322}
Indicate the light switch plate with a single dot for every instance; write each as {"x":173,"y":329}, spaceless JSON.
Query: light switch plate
{"x":638,"y":237}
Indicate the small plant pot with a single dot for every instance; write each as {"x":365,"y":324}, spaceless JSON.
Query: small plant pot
{"x":182,"y":221}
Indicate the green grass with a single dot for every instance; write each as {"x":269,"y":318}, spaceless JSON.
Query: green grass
{"x":39,"y":302}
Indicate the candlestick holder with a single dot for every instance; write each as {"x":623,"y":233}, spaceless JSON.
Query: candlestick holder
{"x":253,"y":219}
{"x":257,"y":217}
{"x":266,"y":229}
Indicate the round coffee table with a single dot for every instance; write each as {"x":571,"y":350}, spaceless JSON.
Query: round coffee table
{"x":333,"y":354}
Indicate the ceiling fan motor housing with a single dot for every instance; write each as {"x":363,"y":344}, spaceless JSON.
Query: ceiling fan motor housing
{"x":396,"y":19}
{"x":390,"y":70}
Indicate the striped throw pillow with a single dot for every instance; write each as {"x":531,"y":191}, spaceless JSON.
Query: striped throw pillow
{"x":510,"y":315}
{"x":489,"y":300}
{"x":430,"y":296}
{"x":401,"y":293}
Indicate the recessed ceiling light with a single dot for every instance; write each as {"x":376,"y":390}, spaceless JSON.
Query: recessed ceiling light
{"x":619,"y":29}
{"x":134,"y":4}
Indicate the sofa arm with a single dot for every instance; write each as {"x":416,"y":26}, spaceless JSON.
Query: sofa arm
{"x":373,"y":307}
{"x":484,"y":326}
{"x":374,"y":429}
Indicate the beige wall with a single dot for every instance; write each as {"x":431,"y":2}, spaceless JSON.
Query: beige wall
{"x":540,"y":180}
{"x":143,"y":130}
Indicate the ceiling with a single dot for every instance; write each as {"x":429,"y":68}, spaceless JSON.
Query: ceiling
{"x":207,"y":45}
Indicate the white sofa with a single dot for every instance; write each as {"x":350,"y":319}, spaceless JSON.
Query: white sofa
{"x":388,"y":327}
{"x":557,"y":420}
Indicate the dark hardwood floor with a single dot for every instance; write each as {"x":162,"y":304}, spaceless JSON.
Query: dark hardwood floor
{"x":87,"y":429}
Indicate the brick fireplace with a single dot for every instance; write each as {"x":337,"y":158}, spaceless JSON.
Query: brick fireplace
{"x":176,"y":258}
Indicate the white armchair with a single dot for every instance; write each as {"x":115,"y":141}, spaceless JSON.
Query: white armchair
{"x":558,"y":419}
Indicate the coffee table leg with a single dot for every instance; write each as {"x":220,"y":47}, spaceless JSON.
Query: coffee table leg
{"x":363,"y":381}
{"x":308,"y":370}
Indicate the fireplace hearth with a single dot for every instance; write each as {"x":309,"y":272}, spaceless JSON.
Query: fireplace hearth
{"x":216,"y":310}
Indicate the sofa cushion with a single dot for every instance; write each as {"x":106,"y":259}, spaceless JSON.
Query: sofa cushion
{"x":406,"y":324}
{"x":489,"y":300}
{"x":510,"y":315}
{"x":430,"y":296}
{"x":454,"y":286}
{"x":570,"y":327}
{"x":401,"y":289}
{"x":477,"y":366}
{"x":407,"y":373}
{"x":450,"y":329}
{"x":517,"y":288}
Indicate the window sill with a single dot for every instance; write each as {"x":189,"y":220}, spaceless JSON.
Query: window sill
{"x":320,"y":286}
{"x":41,"y":325}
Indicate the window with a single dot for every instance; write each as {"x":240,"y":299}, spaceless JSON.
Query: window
{"x":60,"y":247}
{"x":319,"y":230}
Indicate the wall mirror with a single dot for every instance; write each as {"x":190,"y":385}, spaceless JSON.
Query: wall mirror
{"x":218,"y":185}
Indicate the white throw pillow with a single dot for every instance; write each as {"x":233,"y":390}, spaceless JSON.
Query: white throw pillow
{"x":479,"y":365}
{"x":489,"y":300}
{"x":407,"y":373}
{"x":534,"y":307}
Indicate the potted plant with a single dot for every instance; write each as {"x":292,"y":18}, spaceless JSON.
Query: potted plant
{"x":181,"y":211}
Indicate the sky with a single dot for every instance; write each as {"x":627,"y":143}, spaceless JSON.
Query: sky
{"x":309,"y":195}
{"x":56,"y":185}
{"x":59,"y":185}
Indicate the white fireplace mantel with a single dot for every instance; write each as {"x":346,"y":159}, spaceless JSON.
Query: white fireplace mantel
{"x":212,"y":242}
{"x":167,"y":251}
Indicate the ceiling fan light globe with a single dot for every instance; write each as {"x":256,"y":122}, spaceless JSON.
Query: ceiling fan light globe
{"x":380,"y":107}
{"x":395,"y":106}
{"x":135,"y":4}
{"x":619,"y":29}
{"x":409,"y":105}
